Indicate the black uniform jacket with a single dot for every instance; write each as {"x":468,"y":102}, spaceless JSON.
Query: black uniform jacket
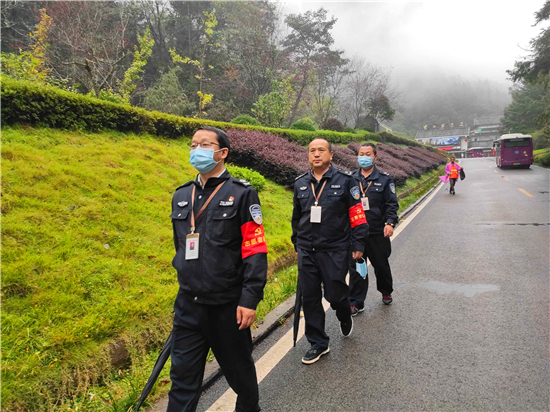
{"x":382,"y":199}
{"x":343,"y":224}
{"x":232,"y":263}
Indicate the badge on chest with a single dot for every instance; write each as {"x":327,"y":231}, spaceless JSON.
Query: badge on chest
{"x":315,"y":216}
{"x":192,"y":246}
{"x":365,"y":203}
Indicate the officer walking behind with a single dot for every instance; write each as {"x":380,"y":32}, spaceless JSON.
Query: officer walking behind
{"x":221,"y":261}
{"x":380,"y":204}
{"x":327,"y":221}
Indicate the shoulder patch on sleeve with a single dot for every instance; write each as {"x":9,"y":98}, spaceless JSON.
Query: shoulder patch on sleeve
{"x":355,"y":192}
{"x":256,"y":213}
{"x":392,"y":187}
{"x":302,"y":175}
{"x":183,"y":185}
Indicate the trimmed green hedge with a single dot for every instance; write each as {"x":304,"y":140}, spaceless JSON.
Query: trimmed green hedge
{"x":257,"y":181}
{"x":302,"y":125}
{"x":27,"y":102}
{"x":245,"y":119}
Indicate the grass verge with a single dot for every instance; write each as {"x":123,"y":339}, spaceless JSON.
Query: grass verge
{"x":542,"y":157}
{"x":418,"y":187}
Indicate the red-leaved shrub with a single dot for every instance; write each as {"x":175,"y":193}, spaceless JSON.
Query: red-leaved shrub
{"x":282,"y":161}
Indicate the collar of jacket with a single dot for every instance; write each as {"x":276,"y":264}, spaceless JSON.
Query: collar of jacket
{"x":327,"y":174}
{"x":373,"y":176}
{"x":213,"y":181}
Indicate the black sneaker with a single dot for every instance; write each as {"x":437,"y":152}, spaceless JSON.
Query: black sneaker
{"x":346,"y":327}
{"x":387,"y":299}
{"x":313,"y":355}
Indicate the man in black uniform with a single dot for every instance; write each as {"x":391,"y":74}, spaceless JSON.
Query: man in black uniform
{"x":327,"y":221}
{"x":380,"y":204}
{"x":221,"y":260}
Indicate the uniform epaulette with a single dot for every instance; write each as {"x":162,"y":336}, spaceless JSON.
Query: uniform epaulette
{"x":302,"y":175}
{"x":384,"y":173}
{"x":345,"y":172}
{"x":183,"y":185}
{"x":241,"y":182}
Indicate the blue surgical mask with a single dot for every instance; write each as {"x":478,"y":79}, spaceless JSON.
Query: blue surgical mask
{"x":203,"y":159}
{"x":361,"y":268}
{"x":365,"y":161}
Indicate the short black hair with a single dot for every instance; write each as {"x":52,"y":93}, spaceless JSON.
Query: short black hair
{"x":369,"y":145}
{"x":221,"y":136}
{"x":322,"y":138}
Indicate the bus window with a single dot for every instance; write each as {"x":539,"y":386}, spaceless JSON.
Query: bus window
{"x":517,"y":143}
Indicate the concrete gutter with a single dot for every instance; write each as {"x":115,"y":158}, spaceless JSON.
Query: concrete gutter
{"x":272,"y":320}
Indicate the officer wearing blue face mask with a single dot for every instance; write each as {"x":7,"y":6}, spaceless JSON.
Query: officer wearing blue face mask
{"x":379,"y":202}
{"x":221,"y":261}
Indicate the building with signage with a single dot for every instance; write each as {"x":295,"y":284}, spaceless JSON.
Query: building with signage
{"x":485,"y":131}
{"x":454,"y":139}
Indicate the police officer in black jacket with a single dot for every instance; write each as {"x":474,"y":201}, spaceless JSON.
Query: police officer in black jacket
{"x":327,"y":221}
{"x":379,"y":201}
{"x":221,"y":261}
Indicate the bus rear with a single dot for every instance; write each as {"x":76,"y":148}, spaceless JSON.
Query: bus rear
{"x":475,"y":152}
{"x":514,"y":150}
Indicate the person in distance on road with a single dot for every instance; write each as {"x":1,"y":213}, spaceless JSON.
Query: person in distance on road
{"x":452,"y":170}
{"x":380,"y":204}
{"x":327,"y":221}
{"x":221,"y":261}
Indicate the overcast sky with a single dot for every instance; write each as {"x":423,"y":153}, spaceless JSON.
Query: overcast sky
{"x":476,"y":39}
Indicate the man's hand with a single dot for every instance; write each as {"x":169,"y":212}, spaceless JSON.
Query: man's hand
{"x":245,"y":317}
{"x":357,"y":255}
{"x":388,"y":231}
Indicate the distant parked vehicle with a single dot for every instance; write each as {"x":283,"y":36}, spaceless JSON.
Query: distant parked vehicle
{"x":514,"y":150}
{"x":475,"y":152}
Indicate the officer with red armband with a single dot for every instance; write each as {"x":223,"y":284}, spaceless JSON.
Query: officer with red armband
{"x":380,"y":204}
{"x":221,"y":261}
{"x":327,"y":221}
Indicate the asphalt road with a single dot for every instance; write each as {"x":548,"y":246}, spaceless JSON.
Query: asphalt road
{"x":469,"y":327}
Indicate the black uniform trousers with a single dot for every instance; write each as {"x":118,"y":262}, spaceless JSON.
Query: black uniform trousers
{"x":330,"y":269}
{"x":197,"y":328}
{"x":452,"y":182}
{"x":378,"y":251}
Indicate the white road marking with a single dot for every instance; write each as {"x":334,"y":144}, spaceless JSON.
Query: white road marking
{"x":278,"y":351}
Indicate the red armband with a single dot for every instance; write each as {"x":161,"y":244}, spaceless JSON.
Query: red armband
{"x":357,"y":215}
{"x":253,"y":239}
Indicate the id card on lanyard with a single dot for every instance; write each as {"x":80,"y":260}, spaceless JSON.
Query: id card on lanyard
{"x":364,"y":198}
{"x":192,"y":239}
{"x":315,"y":216}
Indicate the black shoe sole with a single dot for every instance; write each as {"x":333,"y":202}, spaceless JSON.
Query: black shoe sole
{"x":309,"y":362}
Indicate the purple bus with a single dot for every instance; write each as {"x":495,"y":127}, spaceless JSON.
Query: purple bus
{"x":475,"y":152}
{"x":514,"y":150}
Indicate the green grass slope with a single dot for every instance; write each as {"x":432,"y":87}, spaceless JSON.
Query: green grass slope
{"x":86,"y":255}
